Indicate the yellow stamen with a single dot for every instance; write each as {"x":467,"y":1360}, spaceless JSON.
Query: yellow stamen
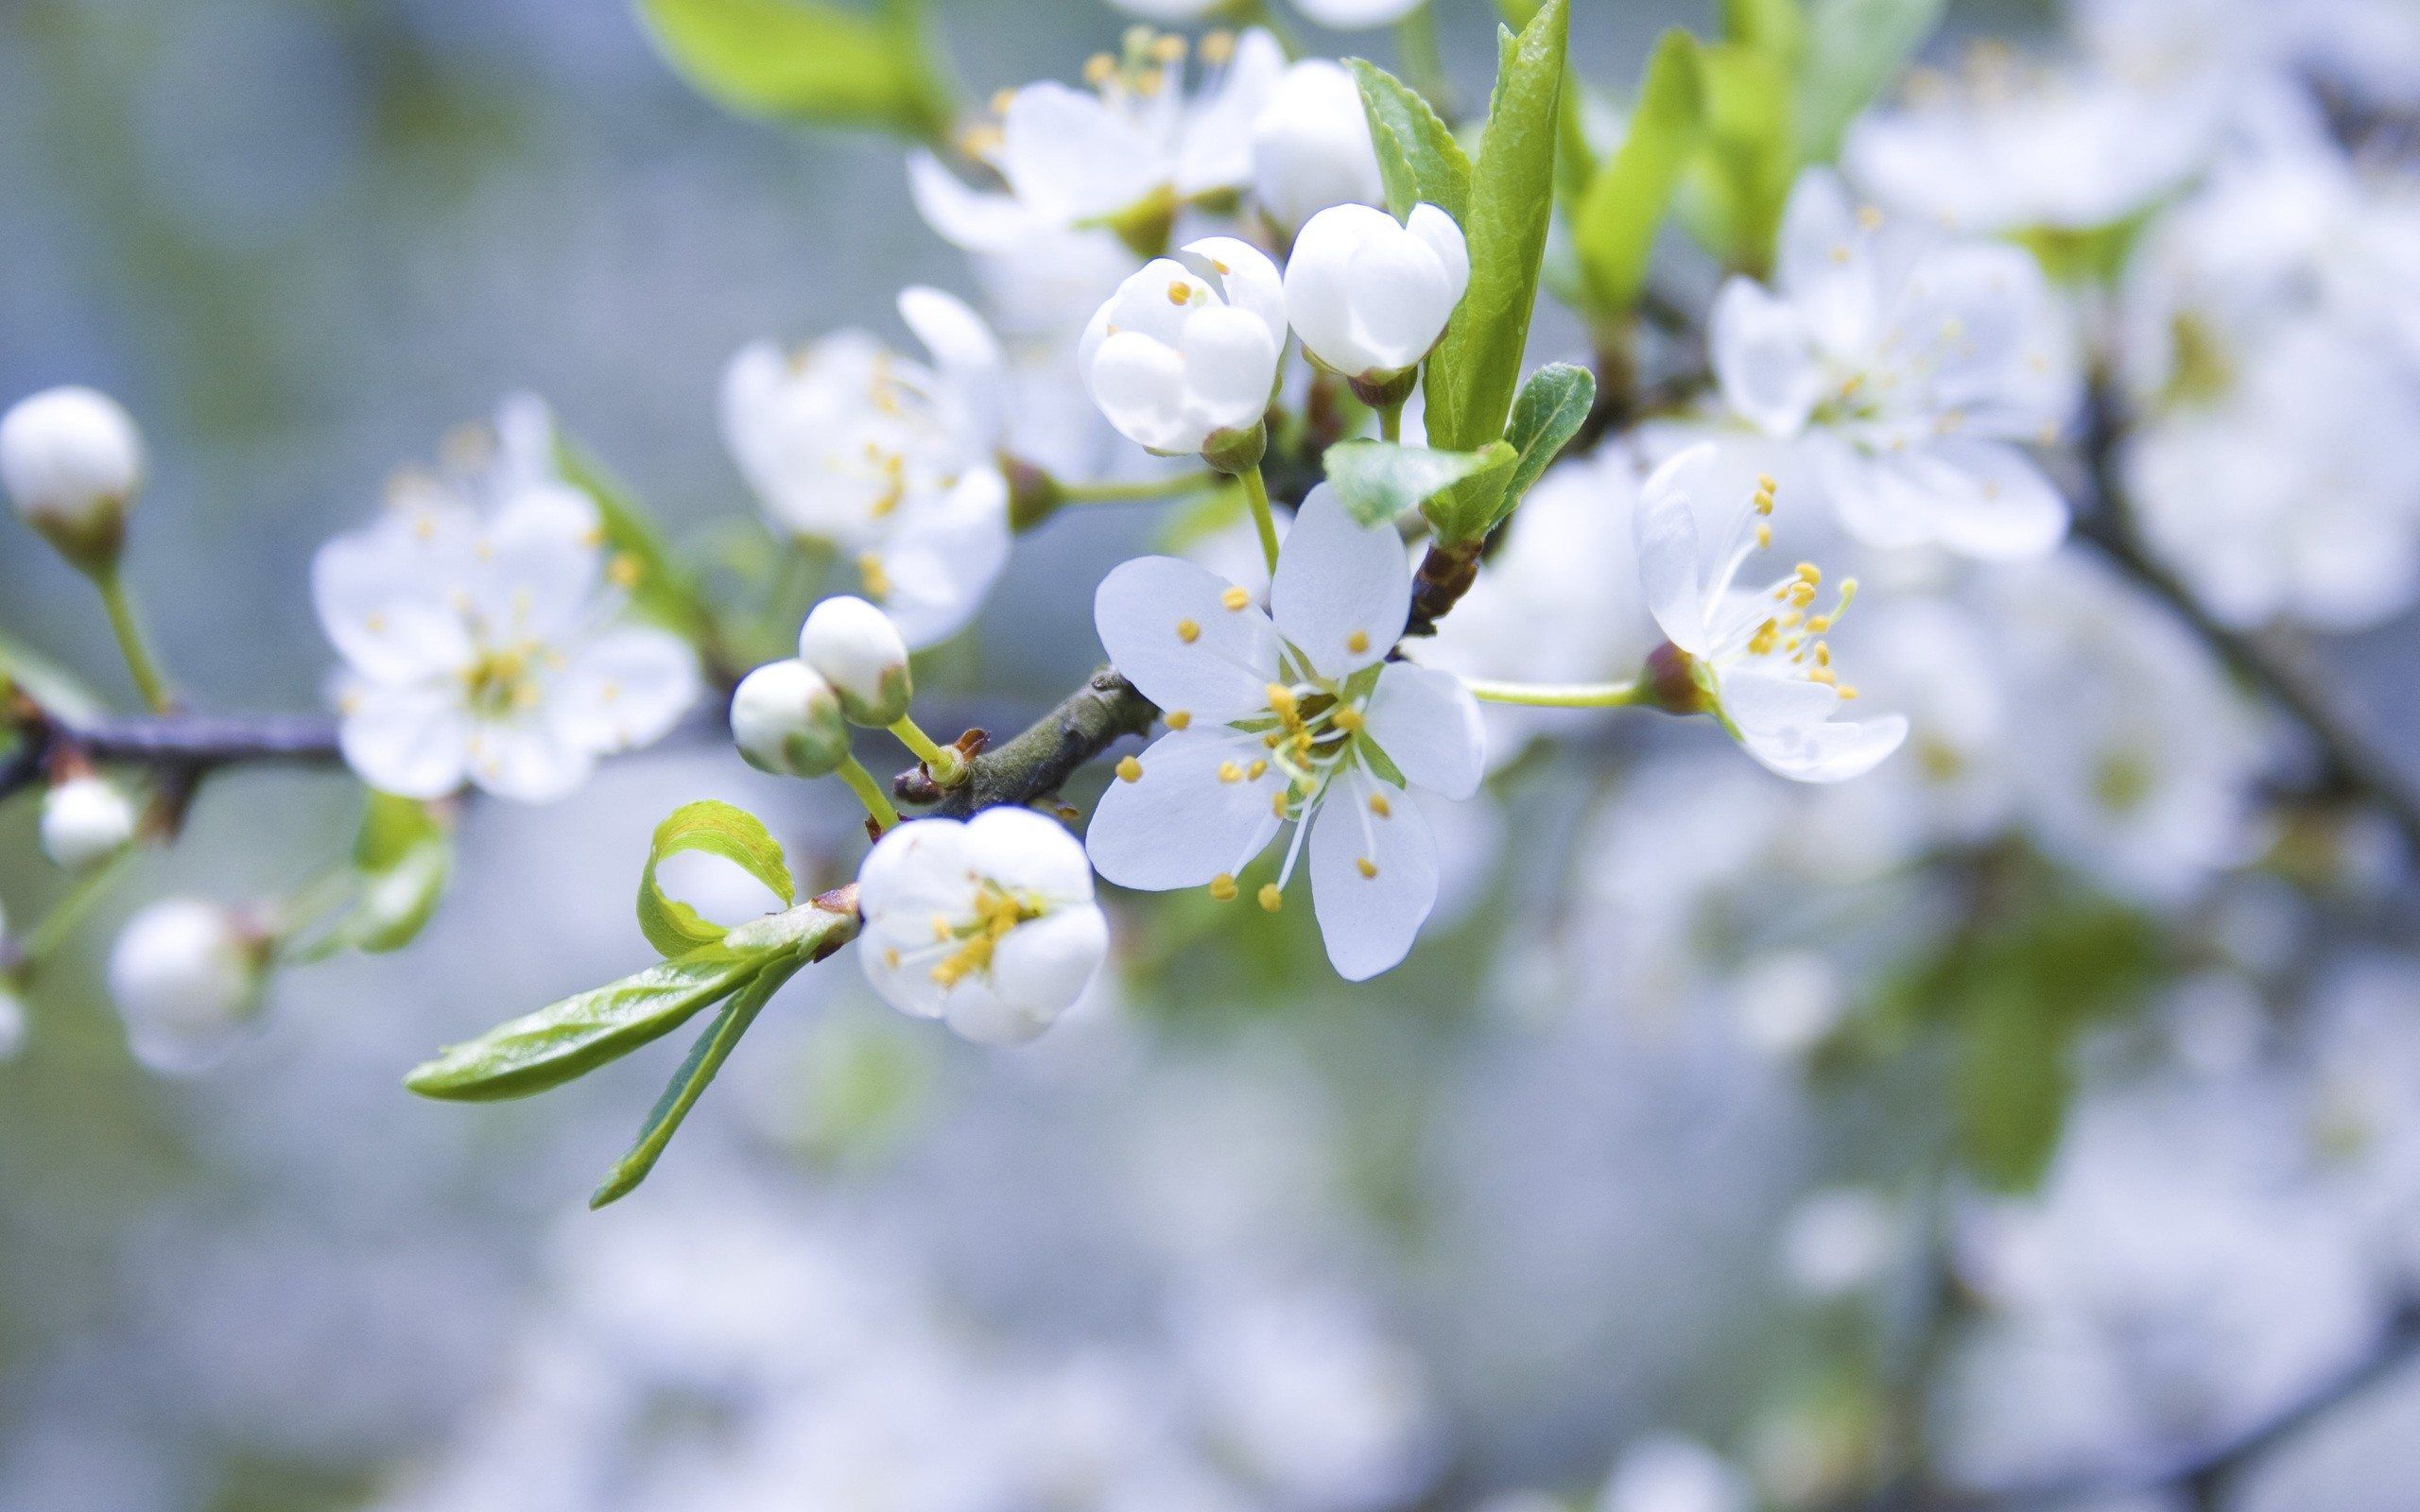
{"x":1178,"y":719}
{"x":1187,"y":631}
{"x":1350,"y":720}
{"x":623,"y":571}
{"x":1235,"y":598}
{"x":1271,"y":899}
{"x":1379,"y":806}
{"x":1357,"y":641}
{"x":1128,"y":769}
{"x":1222,"y":888}
{"x":1230,"y":772}
{"x":878,"y":581}
{"x":1367,"y":867}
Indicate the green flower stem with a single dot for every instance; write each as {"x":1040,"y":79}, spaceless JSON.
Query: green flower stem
{"x":947,"y":766}
{"x":1563,"y":696}
{"x":870,"y":793}
{"x":1256,"y":493}
{"x":1137,"y":490}
{"x":44,"y":939}
{"x":1391,"y":421}
{"x":140,"y":663}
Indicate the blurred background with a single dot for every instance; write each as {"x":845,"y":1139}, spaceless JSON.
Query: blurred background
{"x":1223,"y":1241}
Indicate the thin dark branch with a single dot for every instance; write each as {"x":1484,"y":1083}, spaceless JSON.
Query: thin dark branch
{"x":2351,"y":764}
{"x":1037,"y":763}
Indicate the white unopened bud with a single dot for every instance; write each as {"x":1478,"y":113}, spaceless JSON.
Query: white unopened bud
{"x":84,"y":820}
{"x":187,"y":977}
{"x":1311,"y":148}
{"x":1185,"y":354}
{"x":72,"y":460}
{"x":856,"y":650}
{"x":786,"y":720}
{"x":1370,"y":295}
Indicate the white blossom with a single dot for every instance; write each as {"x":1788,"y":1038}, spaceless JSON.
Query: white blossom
{"x":1126,"y":153}
{"x":1757,"y":654}
{"x":1311,"y":146}
{"x":1290,"y":716}
{"x":1910,"y":371}
{"x":1185,"y":354}
{"x":477,"y":623}
{"x":72,"y":460}
{"x":1669,"y":1473}
{"x":786,"y":720}
{"x":85,"y":820}
{"x":1370,"y":295}
{"x":892,"y":462}
{"x":854,"y":647}
{"x":187,"y":977}
{"x":989,"y":923}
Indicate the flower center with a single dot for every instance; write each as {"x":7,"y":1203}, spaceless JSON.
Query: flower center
{"x":1784,"y":628}
{"x":503,"y":681}
{"x":995,"y":913}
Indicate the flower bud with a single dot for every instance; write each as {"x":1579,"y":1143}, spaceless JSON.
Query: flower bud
{"x":1188,"y":347}
{"x":1370,"y":295}
{"x":12,"y":1021}
{"x":854,"y":647}
{"x":786,"y":721}
{"x":84,"y":820}
{"x":72,"y":460}
{"x":1311,"y":148}
{"x":187,"y":977}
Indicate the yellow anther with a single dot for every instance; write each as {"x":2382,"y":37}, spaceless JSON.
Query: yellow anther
{"x":1282,"y":700}
{"x":1235,"y":599}
{"x":1818,"y":625}
{"x":1350,"y":719}
{"x":1128,"y":769}
{"x":980,"y":141}
{"x":1801,"y":594}
{"x":870,"y":571}
{"x":1271,"y":899}
{"x":1761,"y":644}
{"x":1217,"y":48}
{"x":1001,"y":101}
{"x":1272,"y":739}
{"x":1277,"y":803}
{"x":1767,"y":482}
{"x":1366,"y":867}
{"x":375,"y":623}
{"x":1846,"y":692}
{"x":1222,"y":888}
{"x":1840,"y":253}
{"x":891,"y":957}
{"x":1230,"y":772}
{"x":1822,"y":675}
{"x":1764,"y":536}
{"x":1178,"y":719}
{"x":1822,"y":653}
{"x":1379,"y":806}
{"x":1187,"y":631}
{"x":1100,"y":69}
{"x":942,"y":930}
{"x":623,"y":571}
{"x":1169,"y":49}
{"x":1148,"y":84}
{"x":1257,"y":770}
{"x":1357,"y":641}
{"x":1869,"y":217}
{"x":1178,"y":291}
{"x":1809,"y":573}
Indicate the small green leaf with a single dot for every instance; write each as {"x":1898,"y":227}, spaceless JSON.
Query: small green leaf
{"x":662,"y":589}
{"x":1471,"y":509}
{"x":1476,"y":366}
{"x":1418,"y":158}
{"x":814,"y":61}
{"x":689,"y":1083}
{"x":1750,"y":161}
{"x":1774,"y":28}
{"x":1614,"y":227}
{"x":1550,"y":411}
{"x":1381,"y":480}
{"x":738,"y":836}
{"x":1854,"y":48}
{"x":402,"y":859}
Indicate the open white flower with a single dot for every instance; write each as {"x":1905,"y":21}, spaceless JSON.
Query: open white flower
{"x":892,"y":462}
{"x":1756,"y":655}
{"x":1369,"y":294}
{"x":1311,"y":146}
{"x":1910,"y":368}
{"x":187,"y":976}
{"x":1126,"y":154}
{"x":1185,"y":354}
{"x":1290,"y":715}
{"x":989,"y":923}
{"x":477,"y":624}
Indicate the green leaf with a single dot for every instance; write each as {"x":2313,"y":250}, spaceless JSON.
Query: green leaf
{"x":1614,"y":227}
{"x":813,"y":61}
{"x":1418,"y":158}
{"x":1774,"y":28}
{"x":1750,"y":161}
{"x":1548,"y":412}
{"x":1854,"y":48}
{"x":661,"y":589}
{"x":689,"y":1083}
{"x":404,"y":859}
{"x":1380,"y":480}
{"x":738,"y":836}
{"x":1476,"y":366}
{"x":1471,"y":509}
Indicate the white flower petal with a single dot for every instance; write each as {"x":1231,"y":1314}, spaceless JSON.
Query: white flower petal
{"x":1374,"y":879}
{"x":941,"y":559}
{"x":978,"y":220}
{"x":1229,"y":365}
{"x":1221,"y":670}
{"x":1037,"y":973}
{"x":1025,"y":852}
{"x":1069,"y":157}
{"x":383,"y":609}
{"x":1428,"y":724}
{"x":624,"y":689}
{"x":1672,"y":577}
{"x":1343,"y":590}
{"x":1763,"y":356}
{"x":1177,"y":824}
{"x":412,"y":739}
{"x":528,"y":761}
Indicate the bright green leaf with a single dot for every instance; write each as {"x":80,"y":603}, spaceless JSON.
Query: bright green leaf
{"x":1548,"y":412}
{"x":1478,"y":365}
{"x":402,"y":860}
{"x":1380,"y":480}
{"x":739,"y":837}
{"x":1854,"y":48}
{"x":1778,"y":28}
{"x":812,"y":61}
{"x":689,"y":1083}
{"x":1616,"y":222}
{"x":1471,"y":509}
{"x":1418,"y":158}
{"x":1750,"y":161}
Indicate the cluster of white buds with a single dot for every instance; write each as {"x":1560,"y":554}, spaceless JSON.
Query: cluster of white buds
{"x":72,"y":460}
